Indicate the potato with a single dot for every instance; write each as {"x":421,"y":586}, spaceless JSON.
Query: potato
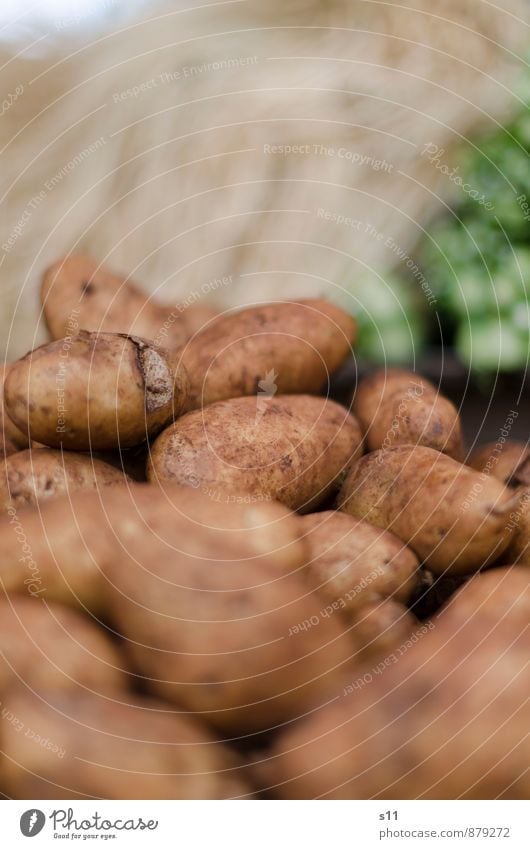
{"x":446,"y":720}
{"x":351,"y":560}
{"x":95,"y":391}
{"x":49,"y":646}
{"x":13,"y":439}
{"x":397,"y":407}
{"x":65,"y":547}
{"x":507,"y":461}
{"x":80,"y":294}
{"x":381,"y":626}
{"x":203,"y":592}
{"x":280,"y":347}
{"x":292,"y":448}
{"x":453,"y":520}
{"x":31,"y":477}
{"x":76,"y":745}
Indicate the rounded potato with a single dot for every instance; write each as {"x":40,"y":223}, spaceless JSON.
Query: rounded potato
{"x":31,"y":477}
{"x":454,"y":521}
{"x":99,"y":747}
{"x":13,"y":439}
{"x":95,"y":391}
{"x":67,"y":545}
{"x":381,"y":627}
{"x":508,"y":462}
{"x":398,"y":407}
{"x":79,"y":293}
{"x":292,"y":448}
{"x":448,"y":721}
{"x":352,"y":560}
{"x":283,"y":347}
{"x":46,"y":645}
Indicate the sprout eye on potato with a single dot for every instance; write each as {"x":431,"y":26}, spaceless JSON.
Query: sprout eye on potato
{"x":398,"y":407}
{"x":275,"y":348}
{"x":31,"y":477}
{"x":455,"y":521}
{"x":292,"y":448}
{"x":78,"y":292}
{"x":95,"y":391}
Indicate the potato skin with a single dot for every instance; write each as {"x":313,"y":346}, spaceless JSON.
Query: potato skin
{"x":79,"y":293}
{"x":292,"y":448}
{"x":398,"y":407}
{"x":95,"y":391}
{"x":31,"y":477}
{"x":448,"y":720}
{"x":280,"y":347}
{"x":453,"y":520}
{"x":13,"y":439}
{"x":46,"y":646}
{"x":351,"y":559}
{"x":509,"y":463}
{"x":66,"y":546}
{"x":139,"y":749}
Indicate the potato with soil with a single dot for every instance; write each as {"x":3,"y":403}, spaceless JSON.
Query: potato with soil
{"x":279,"y":347}
{"x":13,"y":439}
{"x":45,"y":645}
{"x":83,"y":746}
{"x":508,"y":461}
{"x":31,"y":477}
{"x":292,"y":448}
{"x":452,"y":519}
{"x":398,"y":407}
{"x":67,"y":544}
{"x":95,"y":391}
{"x":447,"y":720}
{"x":80,"y":294}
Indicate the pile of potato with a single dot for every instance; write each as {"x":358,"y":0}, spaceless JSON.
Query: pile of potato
{"x":220,"y":583}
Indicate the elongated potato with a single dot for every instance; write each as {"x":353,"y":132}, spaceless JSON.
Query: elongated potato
{"x":352,"y":560}
{"x":454,"y":521}
{"x":80,"y":294}
{"x":31,"y":477}
{"x":48,"y":645}
{"x":281,"y":347}
{"x":75,"y":746}
{"x":397,"y":407}
{"x":63,"y":550}
{"x":506,"y":461}
{"x":95,"y":391}
{"x":13,"y":439}
{"x":292,"y":448}
{"x":446,"y":720}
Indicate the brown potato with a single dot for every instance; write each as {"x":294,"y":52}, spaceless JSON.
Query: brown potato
{"x":447,"y":720}
{"x":280,"y":347}
{"x":506,"y":461}
{"x":75,"y":746}
{"x":31,"y":477}
{"x":80,"y":294}
{"x":397,"y":407}
{"x":292,"y":448}
{"x":454,"y":521}
{"x":355,"y":562}
{"x":67,"y":545}
{"x":518,"y":550}
{"x":50,"y":646}
{"x":95,"y":391}
{"x":382,"y":626}
{"x":13,"y":439}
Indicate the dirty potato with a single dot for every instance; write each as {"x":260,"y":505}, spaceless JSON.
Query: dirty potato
{"x":280,"y":347}
{"x":398,"y":407}
{"x":454,"y":521}
{"x":292,"y":448}
{"x":95,"y":391}
{"x":31,"y":477}
{"x":508,"y":461}
{"x":13,"y":439}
